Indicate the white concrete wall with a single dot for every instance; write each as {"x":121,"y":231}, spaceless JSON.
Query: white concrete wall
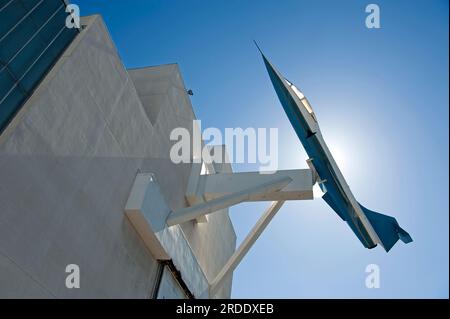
{"x":212,"y":242}
{"x":67,"y":164}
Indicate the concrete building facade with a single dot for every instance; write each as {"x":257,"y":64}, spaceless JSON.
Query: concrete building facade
{"x":69,"y":158}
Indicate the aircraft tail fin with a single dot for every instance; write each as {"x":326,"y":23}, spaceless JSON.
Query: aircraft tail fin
{"x":387,"y":229}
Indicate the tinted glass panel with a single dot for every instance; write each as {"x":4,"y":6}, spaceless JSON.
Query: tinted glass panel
{"x":32,"y":37}
{"x":9,"y":104}
{"x":6,"y":82}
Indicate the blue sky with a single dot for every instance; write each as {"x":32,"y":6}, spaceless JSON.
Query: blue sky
{"x":381,"y":98}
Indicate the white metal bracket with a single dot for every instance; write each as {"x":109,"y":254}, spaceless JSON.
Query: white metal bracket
{"x":193,"y":212}
{"x":207,"y":193}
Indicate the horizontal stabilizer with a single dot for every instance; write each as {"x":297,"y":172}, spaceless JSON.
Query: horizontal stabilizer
{"x":387,"y":228}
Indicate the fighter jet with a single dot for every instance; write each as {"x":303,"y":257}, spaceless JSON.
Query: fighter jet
{"x":370,"y":227}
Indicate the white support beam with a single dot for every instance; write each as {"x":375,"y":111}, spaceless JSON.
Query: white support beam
{"x":191,"y":190}
{"x":209,"y":187}
{"x":193,"y":212}
{"x":147,"y":211}
{"x":248,"y":242}
{"x":193,"y":194}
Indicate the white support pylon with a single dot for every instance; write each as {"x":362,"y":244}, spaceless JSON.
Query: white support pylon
{"x":248,"y":242}
{"x":193,"y":212}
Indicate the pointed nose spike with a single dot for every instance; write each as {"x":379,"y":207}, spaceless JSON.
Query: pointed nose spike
{"x":259,"y":49}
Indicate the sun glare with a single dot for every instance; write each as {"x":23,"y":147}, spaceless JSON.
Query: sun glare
{"x":317,"y":191}
{"x":340,"y":155}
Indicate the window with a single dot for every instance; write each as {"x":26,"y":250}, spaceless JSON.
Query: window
{"x":32,"y":36}
{"x":169,"y":283}
{"x":302,"y":98}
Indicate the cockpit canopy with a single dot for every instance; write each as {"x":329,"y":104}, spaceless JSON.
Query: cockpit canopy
{"x":302,"y":98}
